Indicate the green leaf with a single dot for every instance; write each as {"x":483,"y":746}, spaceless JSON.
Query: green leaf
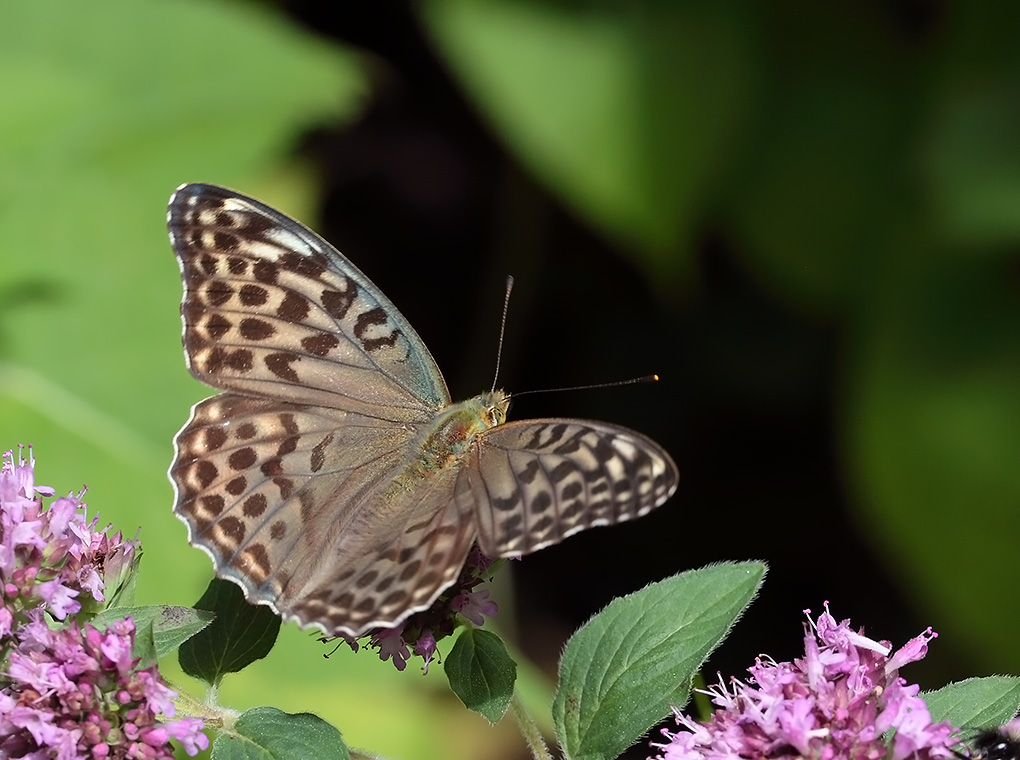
{"x":971,"y":158}
{"x":482,"y":673}
{"x":266,"y":733}
{"x":122,"y":580}
{"x":240,"y":634}
{"x":977,"y":702}
{"x":628,"y":111}
{"x":931,"y":416}
{"x":625,"y":667}
{"x":145,"y":645}
{"x":171,"y":625}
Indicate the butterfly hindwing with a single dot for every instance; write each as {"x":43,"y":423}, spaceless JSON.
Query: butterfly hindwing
{"x":289,"y":503}
{"x":535,"y":482}
{"x":399,"y":563}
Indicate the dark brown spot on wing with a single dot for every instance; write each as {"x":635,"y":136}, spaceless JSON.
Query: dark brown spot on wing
{"x":318,"y":457}
{"x":272,"y":467}
{"x":256,"y":329}
{"x":242,"y":459}
{"x":225,"y":241}
{"x":321,"y":344}
{"x":241,"y":360}
{"x":231,"y":529}
{"x":236,"y":486}
{"x":572,"y":490}
{"x":254,"y":505}
{"x":253,"y":295}
{"x":337,"y":303}
{"x":541,"y":502}
{"x":279,"y":364}
{"x":303,"y":265}
{"x":294,"y":308}
{"x":528,"y":472}
{"x":367,"y":579}
{"x":286,"y":486}
{"x":218,"y":293}
{"x":206,"y":473}
{"x":366,"y":321}
{"x":410,"y":570}
{"x":307,"y":505}
{"x":212,"y":504}
{"x":207,"y":264}
{"x":399,"y":598}
{"x":215,"y":437}
{"x":561,"y":471}
{"x":216,"y":326}
{"x":265,"y":271}
{"x":542,"y":524}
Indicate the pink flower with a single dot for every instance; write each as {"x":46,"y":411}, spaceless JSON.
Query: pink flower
{"x":391,"y":644}
{"x":188,"y":732}
{"x":837,"y":701}
{"x":425,"y":648}
{"x":75,"y":692}
{"x":475,"y":605}
{"x":50,"y":555}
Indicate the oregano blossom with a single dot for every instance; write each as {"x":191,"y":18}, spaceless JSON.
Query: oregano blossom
{"x":838,"y":701}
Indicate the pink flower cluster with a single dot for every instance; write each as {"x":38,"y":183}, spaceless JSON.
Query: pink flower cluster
{"x":72,"y":691}
{"x":76,"y":693}
{"x":837,"y":702}
{"x":419,"y":633}
{"x":49,"y":556}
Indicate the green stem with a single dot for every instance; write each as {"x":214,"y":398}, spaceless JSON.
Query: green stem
{"x":529,"y":729}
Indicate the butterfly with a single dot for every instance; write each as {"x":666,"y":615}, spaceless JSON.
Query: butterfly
{"x":333,"y":479}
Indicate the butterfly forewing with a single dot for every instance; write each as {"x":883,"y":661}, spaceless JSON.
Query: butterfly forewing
{"x":333,"y":480}
{"x":272,"y":309}
{"x":535,"y":482}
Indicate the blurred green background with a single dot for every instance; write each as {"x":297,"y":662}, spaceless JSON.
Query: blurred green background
{"x":804,"y":216}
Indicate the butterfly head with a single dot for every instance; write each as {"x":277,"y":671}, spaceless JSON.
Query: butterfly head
{"x":495,"y":405}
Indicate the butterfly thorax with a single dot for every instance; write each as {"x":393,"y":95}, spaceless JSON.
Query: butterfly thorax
{"x":452,"y":433}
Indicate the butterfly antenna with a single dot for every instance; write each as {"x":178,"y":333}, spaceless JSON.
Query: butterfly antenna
{"x":502,"y":328}
{"x":614,"y":384}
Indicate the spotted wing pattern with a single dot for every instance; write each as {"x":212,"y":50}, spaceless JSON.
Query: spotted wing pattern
{"x":535,"y":482}
{"x":288,"y":501}
{"x":304,"y":480}
{"x":272,"y":309}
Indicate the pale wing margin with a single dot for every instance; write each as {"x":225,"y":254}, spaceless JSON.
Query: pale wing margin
{"x":535,"y":482}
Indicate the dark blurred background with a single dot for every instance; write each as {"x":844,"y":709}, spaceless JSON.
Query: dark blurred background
{"x":804,"y":217}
